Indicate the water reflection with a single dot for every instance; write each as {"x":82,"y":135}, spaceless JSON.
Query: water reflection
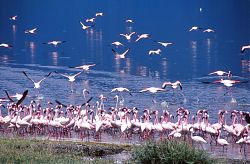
{"x":208,"y":52}
{"x":164,"y":67}
{"x":4,"y":58}
{"x":193,"y":47}
{"x":245,"y":67}
{"x":55,"y":58}
{"x":142,"y":71}
{"x":32,"y":47}
{"x":14,"y":29}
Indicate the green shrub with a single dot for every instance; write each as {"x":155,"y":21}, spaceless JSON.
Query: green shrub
{"x":169,"y":152}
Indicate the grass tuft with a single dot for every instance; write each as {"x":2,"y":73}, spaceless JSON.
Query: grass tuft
{"x":169,"y":152}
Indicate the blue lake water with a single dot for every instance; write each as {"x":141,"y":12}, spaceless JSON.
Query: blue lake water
{"x":191,"y":57}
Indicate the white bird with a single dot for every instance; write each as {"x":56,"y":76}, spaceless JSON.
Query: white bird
{"x":37,"y":84}
{"x":243,"y":48}
{"x":220,"y":73}
{"x":128,"y":36}
{"x":13,"y":18}
{"x":32,"y":31}
{"x":142,"y":36}
{"x":152,"y":90}
{"x":227,"y":83}
{"x":99,"y":14}
{"x":154,"y":52}
{"x":198,"y":139}
{"x":129,"y":21}
{"x":70,"y":77}
{"x":5,"y":45}
{"x":165,"y":44}
{"x":117,"y":44}
{"x":122,"y":55}
{"x":55,"y":42}
{"x":173,"y":85}
{"x":85,"y":67}
{"x":121,"y":89}
{"x":194,"y":28}
{"x":90,"y":20}
{"x":84,"y":27}
{"x":221,"y":141}
{"x":209,"y":30}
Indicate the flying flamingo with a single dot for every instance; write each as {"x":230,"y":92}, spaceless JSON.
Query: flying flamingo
{"x":164,"y":44}
{"x":31,"y":31}
{"x":155,"y":52}
{"x":55,"y":42}
{"x":153,"y":90}
{"x":120,"y":56}
{"x":99,"y":14}
{"x":174,"y":85}
{"x":128,"y":36}
{"x":37,"y":85}
{"x":71,"y":78}
{"x":142,"y":36}
{"x":13,"y":17}
{"x":243,"y":48}
{"x":6,"y":45}
{"x":84,"y":27}
{"x":117,"y":44}
{"x":227,"y":83}
{"x":195,"y":28}
{"x":84,"y":67}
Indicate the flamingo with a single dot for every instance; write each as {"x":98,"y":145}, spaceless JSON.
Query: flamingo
{"x":31,"y":31}
{"x":84,"y":27}
{"x":128,"y":36}
{"x":155,"y":52}
{"x":174,"y":85}
{"x":142,"y":36}
{"x":122,"y":55}
{"x":84,"y":67}
{"x":194,"y":28}
{"x":221,"y":141}
{"x":209,"y":30}
{"x":99,"y":14}
{"x":117,"y":44}
{"x":90,"y":20}
{"x":121,"y":89}
{"x":129,"y":21}
{"x":198,"y":139}
{"x":71,"y":78}
{"x":243,"y":48}
{"x":55,"y":42}
{"x":164,"y":44}
{"x":37,"y":85}
{"x":220,"y":73}
{"x":13,"y":17}
{"x":227,"y":83}
{"x":6,"y":45}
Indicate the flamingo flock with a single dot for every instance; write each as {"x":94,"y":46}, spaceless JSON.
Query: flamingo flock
{"x":95,"y":119}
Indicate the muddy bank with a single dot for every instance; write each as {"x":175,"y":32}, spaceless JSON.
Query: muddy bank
{"x":88,"y":148}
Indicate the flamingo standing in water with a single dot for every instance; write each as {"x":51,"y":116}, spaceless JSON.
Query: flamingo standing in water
{"x":221,"y":141}
{"x":198,"y":139}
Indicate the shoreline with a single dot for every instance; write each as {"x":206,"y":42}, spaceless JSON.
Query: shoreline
{"x":91,"y":151}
